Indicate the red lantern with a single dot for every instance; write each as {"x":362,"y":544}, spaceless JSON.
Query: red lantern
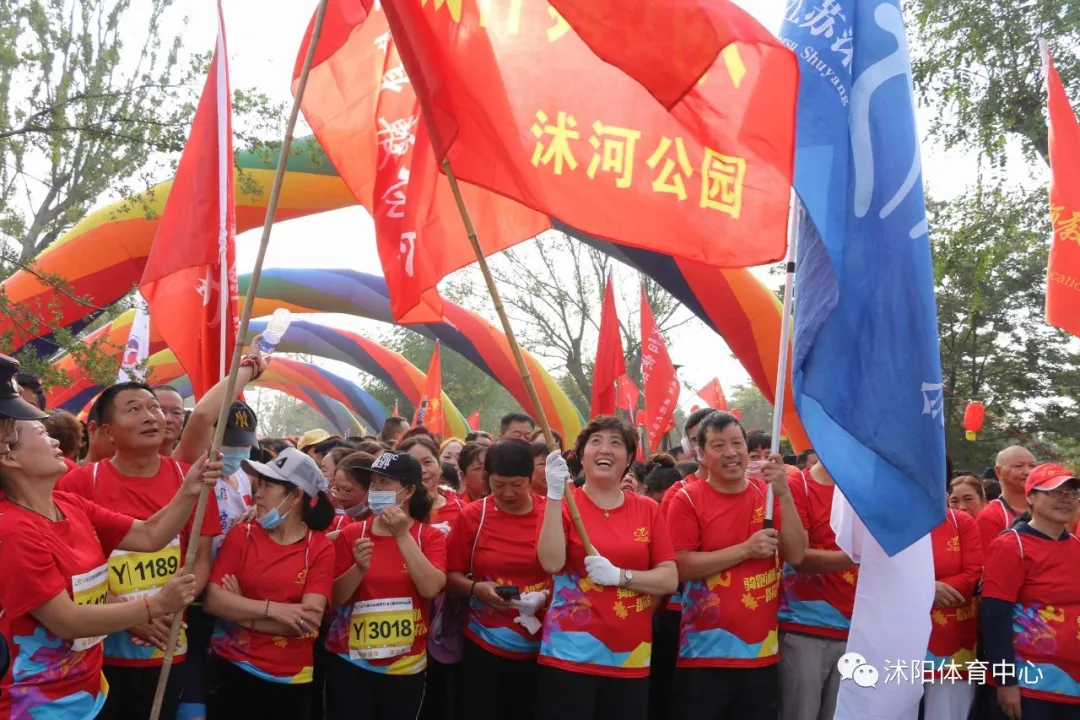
{"x":973,"y":419}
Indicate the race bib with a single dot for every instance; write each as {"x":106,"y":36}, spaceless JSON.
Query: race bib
{"x":90,"y":588}
{"x":133,"y":575}
{"x":380,"y":629}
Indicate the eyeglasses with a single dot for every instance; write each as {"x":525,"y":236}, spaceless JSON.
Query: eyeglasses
{"x":1064,"y":493}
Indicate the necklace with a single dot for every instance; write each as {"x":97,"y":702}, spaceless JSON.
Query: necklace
{"x":55,"y":510}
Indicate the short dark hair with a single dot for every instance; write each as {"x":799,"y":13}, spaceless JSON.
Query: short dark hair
{"x":166,"y":388}
{"x":417,"y":431}
{"x":662,"y":474}
{"x":687,"y":467}
{"x":450,"y":475}
{"x":101,"y":412}
{"x":804,"y":456}
{"x":509,"y":458}
{"x":696,"y":417}
{"x":371,"y":447}
{"x":274,"y":444}
{"x":539,"y":449}
{"x":423,"y":441}
{"x":472,"y":437}
{"x":514,"y":417}
{"x":469,"y":453}
{"x":357,"y":467}
{"x":717,"y":420}
{"x":66,"y":429}
{"x":31,"y":382}
{"x":538,"y":434}
{"x":331,"y":444}
{"x":758,"y":440}
{"x":607,"y":422}
{"x":391,"y":426}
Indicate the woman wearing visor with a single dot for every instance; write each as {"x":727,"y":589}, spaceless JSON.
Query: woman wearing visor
{"x":387,"y":572}
{"x":1030,"y":610}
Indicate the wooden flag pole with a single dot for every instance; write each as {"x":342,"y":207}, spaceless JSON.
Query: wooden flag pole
{"x":230,"y":387}
{"x":523,"y":369}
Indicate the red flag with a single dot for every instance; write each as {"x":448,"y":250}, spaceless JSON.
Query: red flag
{"x":474,"y":421}
{"x":194,"y":252}
{"x":737,"y":414}
{"x":667,"y":45}
{"x":657,"y":376}
{"x":1063,"y":276}
{"x":610,"y":363}
{"x":523,"y":107}
{"x":397,"y":413}
{"x":628,"y":394}
{"x":429,"y":411}
{"x":363,"y":110}
{"x":713,"y":395}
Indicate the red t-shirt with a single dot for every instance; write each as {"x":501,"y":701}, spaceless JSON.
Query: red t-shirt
{"x":340,"y":521}
{"x":728,"y":619}
{"x":992,"y":521}
{"x":134,"y":575}
{"x":384,"y":626}
{"x":38,"y":561}
{"x":1038,"y":576}
{"x":816,"y":604}
{"x":268,"y":570}
{"x":71,"y":464}
{"x":958,"y":561}
{"x":450,"y":512}
{"x":505,"y":554}
{"x":605,"y":630}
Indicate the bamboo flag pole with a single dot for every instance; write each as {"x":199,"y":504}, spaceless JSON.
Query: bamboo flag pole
{"x":785,"y":340}
{"x":230,"y":387}
{"x":523,"y":369}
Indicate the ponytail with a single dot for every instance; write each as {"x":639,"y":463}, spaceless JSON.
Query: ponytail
{"x":317,"y":512}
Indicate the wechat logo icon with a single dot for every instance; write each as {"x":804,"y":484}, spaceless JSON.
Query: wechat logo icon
{"x":853,"y":666}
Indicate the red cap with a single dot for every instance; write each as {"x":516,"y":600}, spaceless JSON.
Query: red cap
{"x":1046,"y":477}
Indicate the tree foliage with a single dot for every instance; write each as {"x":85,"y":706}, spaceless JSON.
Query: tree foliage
{"x":990,"y":257}
{"x":977,"y":64}
{"x":280,"y":414}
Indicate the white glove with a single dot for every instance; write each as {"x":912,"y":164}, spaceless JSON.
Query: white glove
{"x":557,"y":475}
{"x":601,"y":571}
{"x":530,"y":603}
{"x":442,"y":527}
{"x":529,"y":623}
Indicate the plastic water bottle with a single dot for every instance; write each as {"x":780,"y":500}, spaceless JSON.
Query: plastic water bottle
{"x":275,"y":330}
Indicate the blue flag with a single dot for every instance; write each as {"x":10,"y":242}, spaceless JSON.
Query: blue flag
{"x":866,"y":364}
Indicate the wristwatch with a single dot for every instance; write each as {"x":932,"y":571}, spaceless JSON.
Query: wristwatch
{"x":628,"y":577}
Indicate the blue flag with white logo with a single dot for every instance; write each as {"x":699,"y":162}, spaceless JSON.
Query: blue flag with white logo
{"x":866,"y":365}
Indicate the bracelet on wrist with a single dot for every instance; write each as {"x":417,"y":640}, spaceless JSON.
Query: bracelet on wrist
{"x":266,"y":612}
{"x":149,"y":612}
{"x":472,"y":590}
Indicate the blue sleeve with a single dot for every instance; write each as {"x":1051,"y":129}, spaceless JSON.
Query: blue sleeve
{"x":996,"y":620}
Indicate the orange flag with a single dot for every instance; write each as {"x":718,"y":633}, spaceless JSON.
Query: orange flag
{"x":657,"y":377}
{"x":429,"y":411}
{"x":713,"y":395}
{"x":522,"y":106}
{"x":1063,"y":276}
{"x":363,"y":110}
{"x":194,"y":251}
{"x":666,"y":45}
{"x":610,"y":363}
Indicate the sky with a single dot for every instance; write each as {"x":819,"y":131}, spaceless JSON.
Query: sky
{"x":262,"y":50}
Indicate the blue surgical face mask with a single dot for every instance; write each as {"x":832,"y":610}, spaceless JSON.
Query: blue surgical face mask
{"x":356,"y":511}
{"x":379,"y":500}
{"x":231,"y":458}
{"x":272,"y":519}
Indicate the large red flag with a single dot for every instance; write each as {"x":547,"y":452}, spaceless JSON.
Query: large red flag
{"x":657,"y":377}
{"x":521,"y":105}
{"x":429,"y":411}
{"x":194,"y":253}
{"x":610,"y":363}
{"x":363,"y":110}
{"x":1063,"y":276}
{"x":713,"y":395}
{"x":666,"y":45}
{"x":474,"y":421}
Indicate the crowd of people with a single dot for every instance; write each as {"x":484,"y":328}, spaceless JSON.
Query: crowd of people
{"x":406,"y":575}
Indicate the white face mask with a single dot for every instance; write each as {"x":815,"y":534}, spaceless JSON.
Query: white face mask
{"x":379,"y":500}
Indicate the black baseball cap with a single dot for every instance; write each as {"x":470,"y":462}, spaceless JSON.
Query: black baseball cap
{"x":400,"y":466}
{"x":12,"y":406}
{"x":240,"y":426}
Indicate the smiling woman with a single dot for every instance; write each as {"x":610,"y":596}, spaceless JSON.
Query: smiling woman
{"x":597,"y":639}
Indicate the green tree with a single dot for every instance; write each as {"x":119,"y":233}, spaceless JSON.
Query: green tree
{"x":756,"y":411}
{"x":990,"y":257}
{"x":281,"y":414}
{"x":977,"y":64}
